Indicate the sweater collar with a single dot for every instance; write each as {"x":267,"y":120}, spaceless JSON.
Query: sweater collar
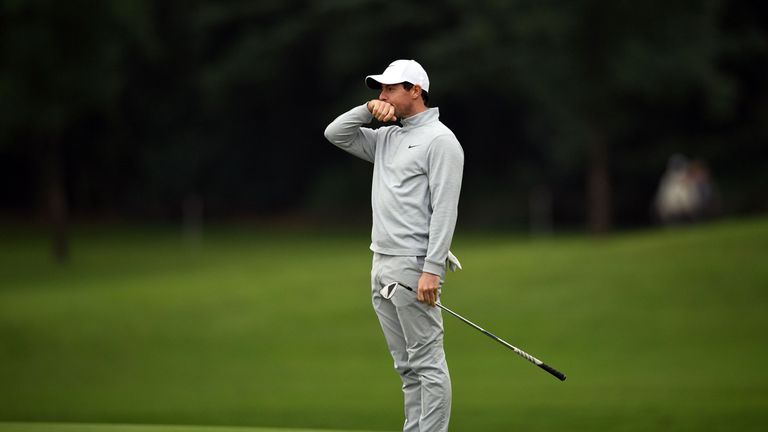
{"x":422,"y":118}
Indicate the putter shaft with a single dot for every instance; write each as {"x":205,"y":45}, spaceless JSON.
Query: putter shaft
{"x":559,"y":375}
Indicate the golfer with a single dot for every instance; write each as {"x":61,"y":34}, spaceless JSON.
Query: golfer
{"x":417,"y":170}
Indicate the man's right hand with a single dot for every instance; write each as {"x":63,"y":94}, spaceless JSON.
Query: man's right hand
{"x":382,"y":111}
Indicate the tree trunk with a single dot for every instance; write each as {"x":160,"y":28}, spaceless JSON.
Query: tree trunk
{"x":599,"y":185}
{"x":56,"y":200}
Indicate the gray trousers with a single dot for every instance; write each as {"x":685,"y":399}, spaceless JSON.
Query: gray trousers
{"x":414,"y":334}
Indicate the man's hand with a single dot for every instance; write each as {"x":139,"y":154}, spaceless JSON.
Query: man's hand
{"x":428,"y":285}
{"x":382,"y":111}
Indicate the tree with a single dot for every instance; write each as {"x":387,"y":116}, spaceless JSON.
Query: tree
{"x":578,"y":63}
{"x":60,"y":65}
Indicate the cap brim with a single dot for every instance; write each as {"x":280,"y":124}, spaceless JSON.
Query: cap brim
{"x":376,"y":81}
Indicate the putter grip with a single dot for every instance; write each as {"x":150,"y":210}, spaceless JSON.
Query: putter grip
{"x":553,"y":371}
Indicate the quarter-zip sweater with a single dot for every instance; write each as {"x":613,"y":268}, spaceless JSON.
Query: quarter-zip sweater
{"x":417,"y":171}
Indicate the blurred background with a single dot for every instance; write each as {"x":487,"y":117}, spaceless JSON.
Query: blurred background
{"x":128,"y":124}
{"x":568,"y":112}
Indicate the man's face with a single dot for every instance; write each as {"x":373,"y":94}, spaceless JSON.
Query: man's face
{"x":399,"y":97}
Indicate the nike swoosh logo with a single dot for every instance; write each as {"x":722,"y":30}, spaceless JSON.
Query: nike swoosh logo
{"x":412,"y":146}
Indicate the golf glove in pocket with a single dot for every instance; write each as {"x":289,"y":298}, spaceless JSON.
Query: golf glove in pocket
{"x":452,"y":263}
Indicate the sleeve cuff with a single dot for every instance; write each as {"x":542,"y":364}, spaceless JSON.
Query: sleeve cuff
{"x":434,"y":268}
{"x":363,"y":111}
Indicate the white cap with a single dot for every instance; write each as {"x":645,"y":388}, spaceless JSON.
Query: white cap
{"x":400,"y":71}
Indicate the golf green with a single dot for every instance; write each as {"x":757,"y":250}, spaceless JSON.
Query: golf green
{"x":83,"y":427}
{"x":656,"y":330}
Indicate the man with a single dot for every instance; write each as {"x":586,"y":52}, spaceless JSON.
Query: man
{"x":417,"y":170}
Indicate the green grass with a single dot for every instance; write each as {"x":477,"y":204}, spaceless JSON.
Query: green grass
{"x":660,"y":330}
{"x":94,"y":427}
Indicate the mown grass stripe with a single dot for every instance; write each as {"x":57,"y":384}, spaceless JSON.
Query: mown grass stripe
{"x":97,"y":427}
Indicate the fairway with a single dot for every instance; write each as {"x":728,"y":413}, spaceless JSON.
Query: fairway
{"x":81,"y":427}
{"x":660,"y":330}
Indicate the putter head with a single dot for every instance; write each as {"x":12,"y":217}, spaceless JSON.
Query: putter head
{"x":389,"y":290}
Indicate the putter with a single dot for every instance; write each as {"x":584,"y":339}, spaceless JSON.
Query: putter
{"x":389,"y":290}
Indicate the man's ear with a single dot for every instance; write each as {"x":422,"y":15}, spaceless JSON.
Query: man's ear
{"x":416,"y":92}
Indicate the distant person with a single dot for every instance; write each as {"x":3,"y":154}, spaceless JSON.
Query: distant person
{"x":673,"y":199}
{"x":703,"y":189}
{"x":417,"y":173}
{"x":685,"y":192}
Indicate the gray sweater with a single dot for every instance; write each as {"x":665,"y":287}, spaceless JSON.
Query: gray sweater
{"x":417,"y":170}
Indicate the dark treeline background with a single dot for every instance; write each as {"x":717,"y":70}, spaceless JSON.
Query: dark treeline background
{"x":137,"y":109}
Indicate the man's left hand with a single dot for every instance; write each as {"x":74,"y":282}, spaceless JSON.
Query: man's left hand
{"x":428,"y":286}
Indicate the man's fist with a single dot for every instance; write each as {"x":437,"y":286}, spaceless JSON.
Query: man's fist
{"x":429,"y":284}
{"x":382,"y":111}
